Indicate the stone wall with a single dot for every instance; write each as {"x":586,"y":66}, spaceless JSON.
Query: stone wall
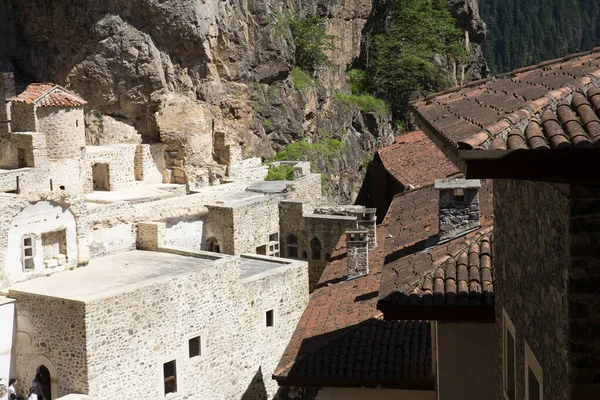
{"x":133,"y":334}
{"x":121,"y":166}
{"x":584,"y":310}
{"x":185,"y":233}
{"x":23,"y":118}
{"x":51,"y":331}
{"x":531,"y":257}
{"x":64,"y":128}
{"x":254,"y":222}
{"x":110,"y":240}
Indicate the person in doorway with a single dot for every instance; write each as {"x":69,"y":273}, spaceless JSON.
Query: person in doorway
{"x":32,"y":395}
{"x":37,"y":385}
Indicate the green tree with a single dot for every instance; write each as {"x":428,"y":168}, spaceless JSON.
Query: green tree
{"x":311,"y":42}
{"x":402,"y":55}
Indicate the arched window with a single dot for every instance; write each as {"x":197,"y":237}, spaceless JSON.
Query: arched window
{"x":315,"y":249}
{"x":291,"y":246}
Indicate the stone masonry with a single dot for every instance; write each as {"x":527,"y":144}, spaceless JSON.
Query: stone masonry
{"x":357,"y":245}
{"x":531,"y":258}
{"x":459,"y":206}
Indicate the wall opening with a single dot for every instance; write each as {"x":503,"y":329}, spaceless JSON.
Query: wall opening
{"x":534,"y":376}
{"x":27,"y":248}
{"x":195,"y":347}
{"x":270,"y":318}
{"x":304,"y":255}
{"x":100,"y":176}
{"x":509,"y":363}
{"x":315,"y":249}
{"x":291,"y":248}
{"x":262,"y":250}
{"x":55,"y":248}
{"x":170,"y":377}
{"x":21,"y":158}
{"x":44,"y":381}
{"x":213,"y":245}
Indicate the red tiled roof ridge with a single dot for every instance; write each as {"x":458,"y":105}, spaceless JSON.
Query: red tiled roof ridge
{"x":31,"y":95}
{"x":507,"y":74}
{"x":530,"y":111}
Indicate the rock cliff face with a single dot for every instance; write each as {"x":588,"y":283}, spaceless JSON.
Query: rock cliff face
{"x":221,"y":65}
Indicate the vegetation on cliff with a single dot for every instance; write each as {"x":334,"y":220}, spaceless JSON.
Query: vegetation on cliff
{"x":403,"y":54}
{"x":525,"y":32}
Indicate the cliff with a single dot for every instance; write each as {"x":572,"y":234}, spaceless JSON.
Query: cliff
{"x":171,"y":70}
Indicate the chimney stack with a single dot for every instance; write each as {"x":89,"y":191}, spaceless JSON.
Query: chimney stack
{"x":7,"y":93}
{"x":459,"y":206}
{"x":357,"y":253}
{"x":367,"y":220}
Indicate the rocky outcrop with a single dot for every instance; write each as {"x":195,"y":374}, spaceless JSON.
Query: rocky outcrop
{"x":187,"y":71}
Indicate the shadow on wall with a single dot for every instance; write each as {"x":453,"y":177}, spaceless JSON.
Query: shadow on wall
{"x":256,"y":390}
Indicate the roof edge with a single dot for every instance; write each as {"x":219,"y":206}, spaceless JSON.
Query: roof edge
{"x":424,"y":385}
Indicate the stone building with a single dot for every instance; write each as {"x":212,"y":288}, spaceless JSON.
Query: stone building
{"x":115,"y":267}
{"x":542,"y":152}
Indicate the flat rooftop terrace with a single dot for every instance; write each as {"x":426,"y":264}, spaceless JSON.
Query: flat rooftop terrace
{"x":112,"y":275}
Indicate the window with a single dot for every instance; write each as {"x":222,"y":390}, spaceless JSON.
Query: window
{"x":509,"y":364}
{"x":304,"y":255}
{"x":27,"y":247}
{"x":534,"y":377}
{"x":291,"y":248}
{"x":274,"y":237}
{"x":315,"y":249}
{"x":270,"y":318}
{"x":170,"y":377}
{"x":195,"y":346}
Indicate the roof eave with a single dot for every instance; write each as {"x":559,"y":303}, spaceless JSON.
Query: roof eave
{"x":437,"y":312}
{"x":424,"y":385}
{"x":561,"y":166}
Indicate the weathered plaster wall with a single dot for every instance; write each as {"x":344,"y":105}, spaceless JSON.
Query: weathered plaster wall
{"x":374,"y":394}
{"x":474,"y":347}
{"x":130,"y":336}
{"x":65,"y":131}
{"x":35,"y":220}
{"x":531,"y":257}
{"x":185,"y":233}
{"x":104,"y":241}
{"x":55,"y":329}
{"x":584,"y":302}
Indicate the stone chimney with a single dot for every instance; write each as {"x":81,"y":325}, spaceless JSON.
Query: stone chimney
{"x":459,"y":206}
{"x":367,"y":220}
{"x":7,"y":93}
{"x":357,"y":253}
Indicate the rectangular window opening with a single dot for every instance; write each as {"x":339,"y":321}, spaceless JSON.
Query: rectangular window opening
{"x":170,"y":377}
{"x":195,"y":347}
{"x":509,"y":358}
{"x":534,"y":376}
{"x":27,"y":256}
{"x":270,"y":318}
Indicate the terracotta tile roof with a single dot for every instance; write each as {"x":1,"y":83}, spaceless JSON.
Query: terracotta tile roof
{"x":517,"y":110}
{"x":49,"y":95}
{"x":412,"y":256}
{"x":339,"y":311}
{"x":374,"y":351}
{"x":414,"y":159}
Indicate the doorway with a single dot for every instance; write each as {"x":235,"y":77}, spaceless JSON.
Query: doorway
{"x":43,"y":378}
{"x":100,"y":176}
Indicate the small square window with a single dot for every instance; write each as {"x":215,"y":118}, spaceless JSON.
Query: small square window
{"x":27,"y":253}
{"x":270,"y":318}
{"x":195,"y":346}
{"x":170,"y":377}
